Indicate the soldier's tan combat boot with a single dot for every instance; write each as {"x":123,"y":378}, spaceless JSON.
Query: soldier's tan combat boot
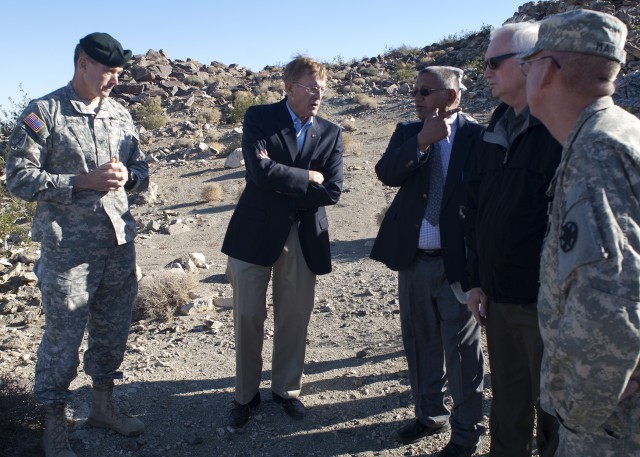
{"x":54,"y":440}
{"x":105,"y":414}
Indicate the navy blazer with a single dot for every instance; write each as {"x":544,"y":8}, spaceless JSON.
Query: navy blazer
{"x":397,"y":240}
{"x":278,"y":192}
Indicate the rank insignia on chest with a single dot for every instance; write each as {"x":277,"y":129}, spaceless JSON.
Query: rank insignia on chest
{"x":568,"y":236}
{"x":34,"y":122}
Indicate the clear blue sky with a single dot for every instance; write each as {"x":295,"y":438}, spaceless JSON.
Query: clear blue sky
{"x":37,"y":38}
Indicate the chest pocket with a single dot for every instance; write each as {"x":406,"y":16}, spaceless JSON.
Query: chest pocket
{"x":579,"y":240}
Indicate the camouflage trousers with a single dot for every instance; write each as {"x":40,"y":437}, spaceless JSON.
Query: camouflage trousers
{"x":92,"y":289}
{"x":618,"y":437}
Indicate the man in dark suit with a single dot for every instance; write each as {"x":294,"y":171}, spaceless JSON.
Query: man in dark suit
{"x":422,"y":237}
{"x":279,"y":227}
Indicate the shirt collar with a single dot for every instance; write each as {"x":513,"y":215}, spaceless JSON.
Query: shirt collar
{"x":297,"y":122}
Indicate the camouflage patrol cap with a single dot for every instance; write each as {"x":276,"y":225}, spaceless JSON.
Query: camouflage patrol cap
{"x":105,"y":49}
{"x":581,"y":31}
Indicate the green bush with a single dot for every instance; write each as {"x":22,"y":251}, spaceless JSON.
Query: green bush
{"x":241,"y":102}
{"x":150,"y":114}
{"x":405,"y":73}
{"x":11,"y":211}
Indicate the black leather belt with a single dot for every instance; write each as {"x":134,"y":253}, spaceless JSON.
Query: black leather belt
{"x":429,"y":253}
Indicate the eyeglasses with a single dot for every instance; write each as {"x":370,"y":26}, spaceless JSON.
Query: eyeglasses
{"x":424,"y":92}
{"x":313,"y":90}
{"x":493,"y":63}
{"x":525,"y":66}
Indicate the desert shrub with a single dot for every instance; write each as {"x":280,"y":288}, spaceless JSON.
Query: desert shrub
{"x":13,"y":210}
{"x":370,"y":71}
{"x":193,"y":80}
{"x":350,"y":145}
{"x":209,"y":116}
{"x":211,"y":192}
{"x":162,"y":293}
{"x":150,"y":114}
{"x":349,"y":125}
{"x":405,"y":72}
{"x":8,"y":118}
{"x":182,"y":143}
{"x":241,"y":102}
{"x":364,"y":101}
{"x":21,"y":418}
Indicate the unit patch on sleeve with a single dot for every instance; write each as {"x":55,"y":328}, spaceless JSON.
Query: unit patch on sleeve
{"x":34,"y":122}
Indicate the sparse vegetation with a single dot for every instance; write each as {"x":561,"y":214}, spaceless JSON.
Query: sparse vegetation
{"x":150,"y":114}
{"x":162,"y":293}
{"x":193,"y":80}
{"x":242,"y":101}
{"x":209,"y":116}
{"x":405,"y":73}
{"x":349,"y":125}
{"x":13,"y":210}
{"x":364,"y":101}
{"x":350,"y":145}
{"x":212,"y":192}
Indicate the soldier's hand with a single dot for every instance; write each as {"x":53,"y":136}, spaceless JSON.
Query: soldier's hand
{"x":108,"y":176}
{"x":436,"y":127}
{"x":477,"y":303}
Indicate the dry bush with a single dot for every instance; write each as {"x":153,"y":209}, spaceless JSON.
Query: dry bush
{"x":183,"y":143}
{"x":349,"y":125}
{"x":212,"y":192}
{"x":193,"y":80}
{"x":364,"y":101}
{"x":350,"y":145}
{"x":209,"y":116}
{"x":162,"y":293}
{"x":21,"y":419}
{"x":212,"y":136}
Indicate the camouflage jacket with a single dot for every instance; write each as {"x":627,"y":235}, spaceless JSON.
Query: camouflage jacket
{"x":58,"y":137}
{"x":589,"y":301}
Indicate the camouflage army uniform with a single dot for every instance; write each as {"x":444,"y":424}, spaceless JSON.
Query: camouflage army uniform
{"x":86,"y":270}
{"x":589,"y":302}
{"x":627,"y":93}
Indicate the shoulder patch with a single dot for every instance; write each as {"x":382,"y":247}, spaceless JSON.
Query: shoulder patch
{"x":34,"y":122}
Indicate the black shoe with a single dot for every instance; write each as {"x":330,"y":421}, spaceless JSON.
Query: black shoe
{"x":292,"y":406}
{"x":457,"y":450}
{"x":240,"y":414}
{"x":412,"y":432}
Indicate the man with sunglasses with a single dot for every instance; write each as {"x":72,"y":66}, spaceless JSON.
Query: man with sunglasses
{"x":279,"y":228}
{"x":422,"y":237}
{"x":505,"y":221}
{"x":589,"y":303}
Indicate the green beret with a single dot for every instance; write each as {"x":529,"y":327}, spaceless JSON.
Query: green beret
{"x":105,"y":49}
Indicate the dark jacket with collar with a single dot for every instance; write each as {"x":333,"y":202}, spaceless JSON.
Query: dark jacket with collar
{"x":278,"y":192}
{"x":397,"y":241}
{"x":506,"y":211}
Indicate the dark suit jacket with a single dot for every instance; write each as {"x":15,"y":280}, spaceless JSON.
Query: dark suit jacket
{"x":400,"y":166}
{"x":278,"y":192}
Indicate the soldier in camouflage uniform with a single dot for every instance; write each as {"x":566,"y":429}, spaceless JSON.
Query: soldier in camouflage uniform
{"x":76,"y":153}
{"x":627,"y":94}
{"x":589,"y":302}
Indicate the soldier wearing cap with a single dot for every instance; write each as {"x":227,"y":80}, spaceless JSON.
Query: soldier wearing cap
{"x":589,"y":303}
{"x":76,"y":153}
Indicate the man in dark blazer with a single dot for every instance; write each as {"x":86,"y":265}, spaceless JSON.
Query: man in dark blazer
{"x":279,"y":227}
{"x":422,"y":237}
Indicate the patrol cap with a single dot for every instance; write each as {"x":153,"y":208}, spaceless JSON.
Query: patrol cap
{"x":582,"y":31}
{"x":105,"y":49}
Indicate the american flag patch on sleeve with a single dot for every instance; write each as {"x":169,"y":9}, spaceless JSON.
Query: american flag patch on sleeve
{"x":33,"y":121}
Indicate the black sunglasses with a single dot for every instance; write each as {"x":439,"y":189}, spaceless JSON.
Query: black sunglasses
{"x":494,"y":62}
{"x":424,"y":92}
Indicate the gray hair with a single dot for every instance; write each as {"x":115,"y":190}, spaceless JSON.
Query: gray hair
{"x":523,"y":34}
{"x":449,"y":77}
